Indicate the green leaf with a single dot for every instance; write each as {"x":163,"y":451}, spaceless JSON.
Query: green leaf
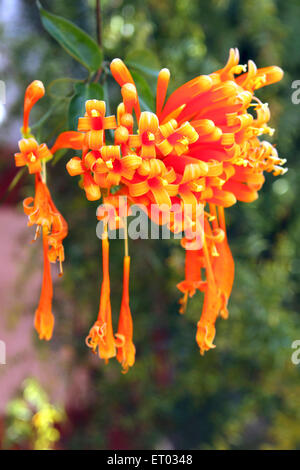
{"x":145,"y":94}
{"x":141,"y":68}
{"x":83,"y":92}
{"x":16,"y":179}
{"x":59,"y":155}
{"x":144,"y":61}
{"x":74,"y":40}
{"x":115,"y":189}
{"x":55,"y":107}
{"x":14,"y":182}
{"x":61,"y":88}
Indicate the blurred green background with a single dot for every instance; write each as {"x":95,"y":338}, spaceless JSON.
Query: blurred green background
{"x":245,"y":394}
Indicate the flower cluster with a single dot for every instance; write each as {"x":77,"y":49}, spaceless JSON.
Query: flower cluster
{"x":41,"y":211}
{"x":200,"y":147}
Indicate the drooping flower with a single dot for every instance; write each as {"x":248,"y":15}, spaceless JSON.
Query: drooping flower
{"x":223,"y":265}
{"x":101,"y":335}
{"x":40,"y":209}
{"x":34,"y":92}
{"x":125,"y":346}
{"x":193,"y":278}
{"x":42,"y":212}
{"x":44,"y":319}
{"x":59,"y":231}
{"x":68,"y":140}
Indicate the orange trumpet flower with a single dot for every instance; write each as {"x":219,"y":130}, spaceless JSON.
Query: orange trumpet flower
{"x":38,"y":208}
{"x":34,"y":92}
{"x":68,"y":140}
{"x":125,"y":346}
{"x":101,"y":335}
{"x":41,"y":210}
{"x":193,"y":279}
{"x":44,"y":319}
{"x":31,"y":154}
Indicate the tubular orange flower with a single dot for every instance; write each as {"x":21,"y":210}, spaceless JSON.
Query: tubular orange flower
{"x":193,"y":279}
{"x":162,"y":87}
{"x":34,"y":92}
{"x":222,"y":264}
{"x":101,"y":335}
{"x":122,"y":75}
{"x":223,"y":268}
{"x":130,"y":97}
{"x":211,"y":307}
{"x":125,"y":348}
{"x":71,"y":140}
{"x":125,"y":118}
{"x":58,"y":233}
{"x":44,"y":319}
{"x":40,"y":214}
{"x":120,"y":72}
{"x":41,"y":210}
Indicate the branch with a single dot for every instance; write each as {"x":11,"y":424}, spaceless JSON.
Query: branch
{"x":99,"y":22}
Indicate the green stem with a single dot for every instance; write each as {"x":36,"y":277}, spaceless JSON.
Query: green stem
{"x":99,"y":34}
{"x":99,"y":23}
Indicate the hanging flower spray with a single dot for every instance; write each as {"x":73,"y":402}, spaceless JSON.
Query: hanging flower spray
{"x":202,"y":146}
